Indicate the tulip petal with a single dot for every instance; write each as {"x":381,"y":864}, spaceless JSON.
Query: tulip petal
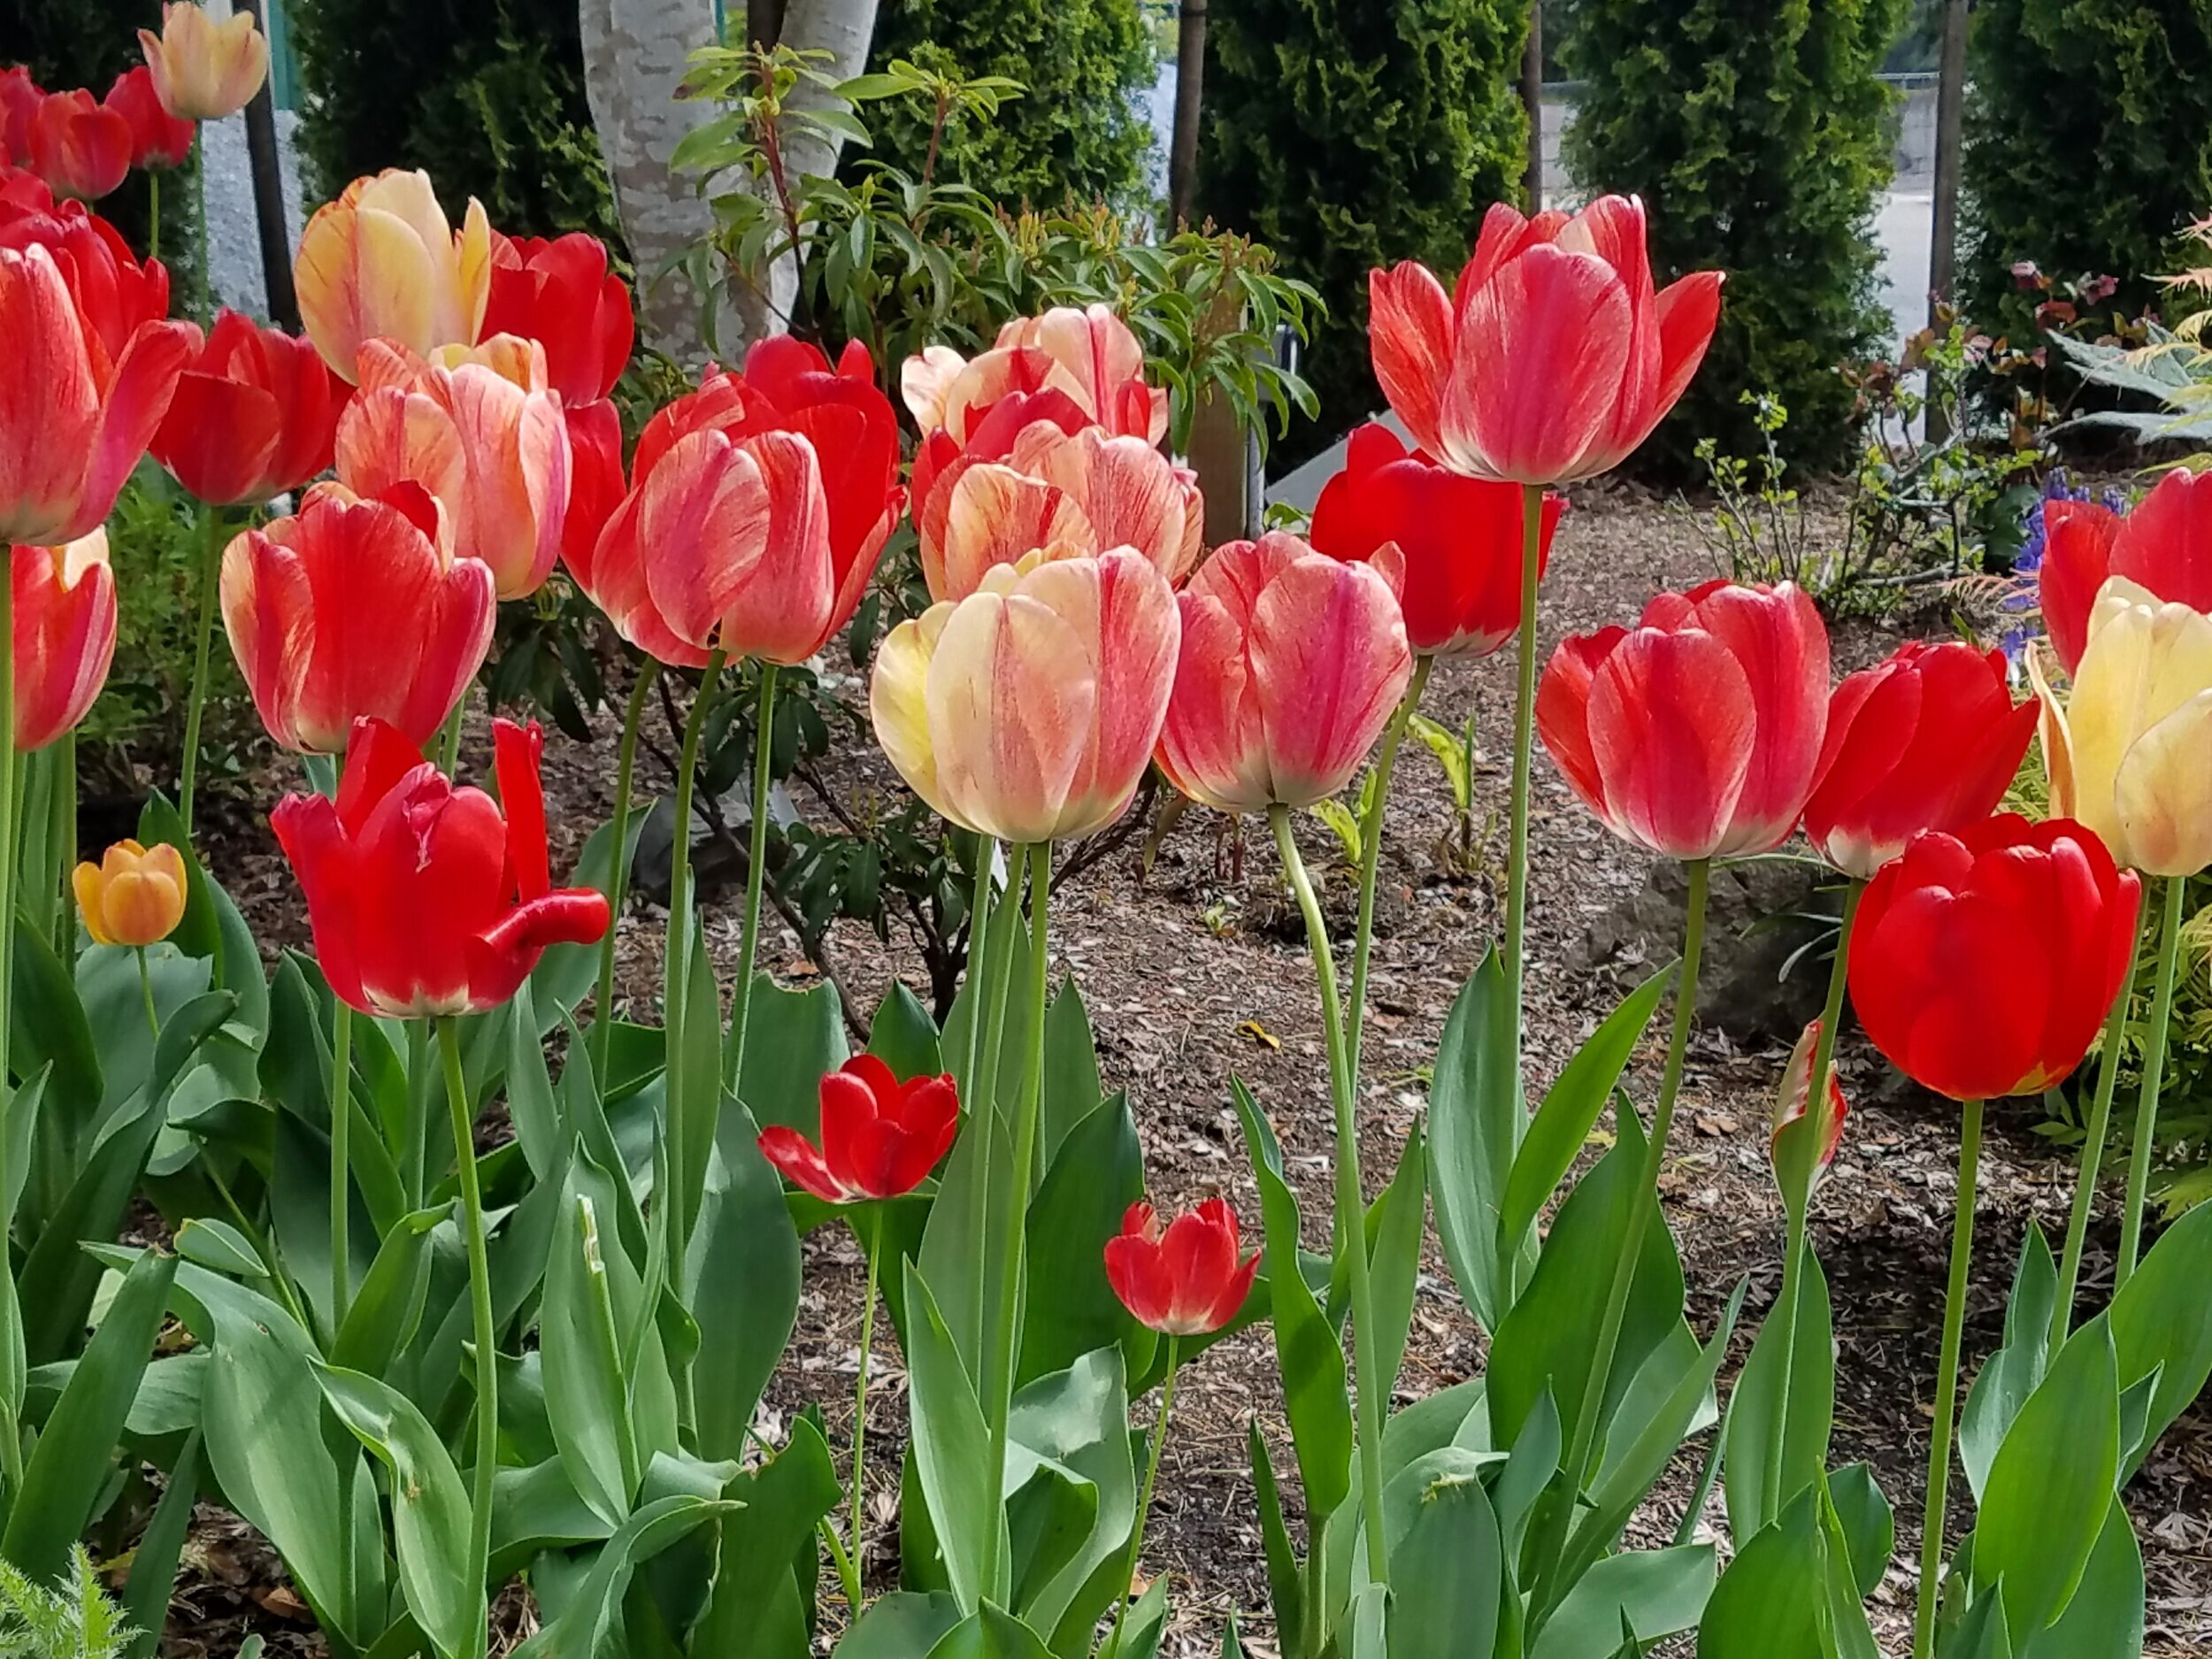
{"x":1409,"y":333}
{"x":1536,"y":374}
{"x":2164,"y":792}
{"x":1673,"y":733}
{"x":996,"y":514}
{"x":898,"y":703}
{"x":2079,"y":537}
{"x":1330,"y":663}
{"x":1012,"y":697}
{"x":797,"y":1159}
{"x":1781,"y":645}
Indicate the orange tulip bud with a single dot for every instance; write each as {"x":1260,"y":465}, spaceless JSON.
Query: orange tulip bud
{"x":383,"y":261}
{"x":134,"y":895}
{"x":205,"y":70}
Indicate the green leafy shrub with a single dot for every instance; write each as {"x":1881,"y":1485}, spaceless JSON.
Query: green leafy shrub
{"x":1079,"y":133}
{"x":488,"y":96}
{"x":76,"y":1621}
{"x":1760,"y":139}
{"x":1346,"y":136}
{"x":2088,"y":143}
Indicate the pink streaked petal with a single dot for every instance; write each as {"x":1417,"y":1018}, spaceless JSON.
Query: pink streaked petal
{"x":1673,"y":730}
{"x":1539,"y":370}
{"x":1409,"y":334}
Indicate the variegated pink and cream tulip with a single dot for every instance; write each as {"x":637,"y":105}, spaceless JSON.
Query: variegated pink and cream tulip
{"x":205,"y":70}
{"x":1290,"y":665}
{"x":65,"y":634}
{"x":1029,"y":709}
{"x":481,"y":430}
{"x":1088,"y":356}
{"x":383,"y":262}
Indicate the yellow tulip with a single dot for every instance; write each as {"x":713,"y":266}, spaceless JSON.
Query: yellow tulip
{"x":383,"y":262}
{"x":205,"y":70}
{"x":2130,"y":750}
{"x":134,"y":895}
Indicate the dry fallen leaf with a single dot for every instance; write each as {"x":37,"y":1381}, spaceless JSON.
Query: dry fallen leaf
{"x":1258,"y":1034}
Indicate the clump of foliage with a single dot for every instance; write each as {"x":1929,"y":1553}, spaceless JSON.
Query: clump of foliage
{"x":1760,"y":138}
{"x":1350,"y":136}
{"x":2088,"y":142}
{"x":1079,"y":135}
{"x":488,"y":97}
{"x":73,"y":1621}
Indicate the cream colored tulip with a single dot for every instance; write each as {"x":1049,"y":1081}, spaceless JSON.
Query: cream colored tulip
{"x":383,"y":262}
{"x":2129,"y":750}
{"x":204,"y":70}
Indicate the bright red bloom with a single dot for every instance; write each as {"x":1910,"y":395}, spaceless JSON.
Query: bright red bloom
{"x":596,"y":481}
{"x":1983,"y":963}
{"x":1461,"y":538}
{"x":254,"y":416}
{"x":159,"y":139}
{"x":2164,"y":545}
{"x":79,"y":147}
{"x":73,"y":419}
{"x":20,"y":98}
{"x":1554,"y":358}
{"x":561,"y":294}
{"x":114,"y":293}
{"x":880,"y":1138}
{"x":426,"y":898}
{"x":1926,"y":738}
{"x":355,"y":607}
{"x":1185,"y":1280}
{"x":65,"y":635}
{"x":1695,"y":733}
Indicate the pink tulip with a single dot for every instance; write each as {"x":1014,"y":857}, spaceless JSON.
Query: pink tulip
{"x":1555,"y":359}
{"x":1697,"y":732}
{"x":1290,"y":665}
{"x":1088,"y":356}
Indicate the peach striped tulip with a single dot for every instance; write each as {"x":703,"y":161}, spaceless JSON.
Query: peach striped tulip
{"x":383,"y":261}
{"x":205,"y":70}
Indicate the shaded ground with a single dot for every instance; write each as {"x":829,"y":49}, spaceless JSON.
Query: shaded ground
{"x":1191,"y":975}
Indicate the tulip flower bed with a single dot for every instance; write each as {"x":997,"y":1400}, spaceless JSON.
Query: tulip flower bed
{"x":467,"y":1268}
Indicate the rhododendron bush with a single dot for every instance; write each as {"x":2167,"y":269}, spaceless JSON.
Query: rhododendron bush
{"x":478,"y":1277}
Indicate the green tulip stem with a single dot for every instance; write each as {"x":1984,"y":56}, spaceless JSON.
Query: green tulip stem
{"x":477,"y":1569}
{"x":1112,"y":1650}
{"x":62,"y":826}
{"x":1644,"y":1204}
{"x":13,"y":1365}
{"x":981,"y":1102}
{"x":855,"y":1565}
{"x":153,"y":214}
{"x":1948,"y":1383}
{"x":211,"y":582}
{"x":619,"y":864}
{"x":1799,"y":1208}
{"x":979,"y":955}
{"x":1022,"y":1179}
{"x":146,"y":994}
{"x":341,"y":1160}
{"x":2097,"y":1131}
{"x":1370,"y":857}
{"x":449,"y":739}
{"x":1524,"y":745}
{"x":676,"y":962}
{"x":1351,"y":1200}
{"x":756,"y":872}
{"x":2153,"y":1077}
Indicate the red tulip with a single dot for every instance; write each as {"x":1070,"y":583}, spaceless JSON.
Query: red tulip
{"x":114,"y":293}
{"x":78,"y":146}
{"x":1185,"y":1280}
{"x":1291,"y":666}
{"x":65,"y":635}
{"x":596,"y":481}
{"x":880,"y":1138}
{"x":1795,"y":1090}
{"x":2164,"y":545}
{"x":1696,"y":733}
{"x":1461,"y":538}
{"x":74,"y":419}
{"x":159,"y":139}
{"x":254,"y":417}
{"x":561,"y":294}
{"x":353,"y":609}
{"x":1926,"y":738}
{"x":1984,"y":963}
{"x":1555,"y":359}
{"x":20,"y":98}
{"x":426,"y":898}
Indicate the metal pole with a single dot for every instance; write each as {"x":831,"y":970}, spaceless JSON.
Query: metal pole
{"x":1950,"y":112}
{"x":268,"y":191}
{"x":1190,"y":76}
{"x":1532,"y":100}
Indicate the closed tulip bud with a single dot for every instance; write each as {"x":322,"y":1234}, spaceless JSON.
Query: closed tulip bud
{"x":382,"y":263}
{"x":1802,"y":1146}
{"x":114,"y":293}
{"x":77,"y":146}
{"x":1290,"y":667}
{"x":1696,"y":733}
{"x":1926,"y":738}
{"x":1983,"y":964}
{"x":1187,"y":1279}
{"x":1461,"y":539}
{"x":482,"y":431}
{"x":134,"y":895}
{"x":426,"y":898}
{"x":205,"y":70}
{"x":255,"y":417}
{"x":352,"y":609}
{"x":64,"y":619}
{"x":2129,"y":751}
{"x":1029,"y":709}
{"x":159,"y":139}
{"x":2164,"y":546}
{"x":1555,"y":359}
{"x":880,"y":1138}
{"x":561,"y":295}
{"x":74,"y":419}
